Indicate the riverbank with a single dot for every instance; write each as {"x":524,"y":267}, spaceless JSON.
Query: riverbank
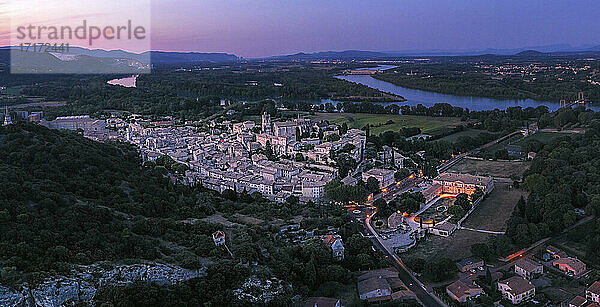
{"x":414,"y":97}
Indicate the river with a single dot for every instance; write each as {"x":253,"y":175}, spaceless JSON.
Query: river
{"x":428,"y":99}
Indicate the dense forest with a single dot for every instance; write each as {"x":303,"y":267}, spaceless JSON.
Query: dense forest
{"x":68,"y":200}
{"x":191,"y":92}
{"x":564,"y":176}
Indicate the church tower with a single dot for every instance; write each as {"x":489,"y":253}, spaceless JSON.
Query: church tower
{"x":7,"y":119}
{"x":266,"y":123}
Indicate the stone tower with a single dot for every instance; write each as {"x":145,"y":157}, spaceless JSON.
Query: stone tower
{"x":266,"y":123}
{"x":7,"y":119}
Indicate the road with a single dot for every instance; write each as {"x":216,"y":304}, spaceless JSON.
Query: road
{"x":448,"y":164}
{"x":425,"y":297}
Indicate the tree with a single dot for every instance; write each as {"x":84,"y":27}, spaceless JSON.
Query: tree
{"x":269,"y":151}
{"x":440,"y":269}
{"x":383,"y":208}
{"x":344,"y":128}
{"x":477,"y":194}
{"x":408,"y":205}
{"x":481,"y":250}
{"x":292,"y":200}
{"x":501,"y":154}
{"x":373,"y":185}
{"x":230,"y":194}
{"x":564,"y":117}
{"x":332,"y":138}
{"x":401,"y":174}
{"x":456,"y":210}
{"x":462,"y":200}
{"x":488,"y":276}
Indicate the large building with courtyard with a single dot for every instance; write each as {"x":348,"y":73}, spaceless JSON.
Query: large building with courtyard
{"x":455,"y":183}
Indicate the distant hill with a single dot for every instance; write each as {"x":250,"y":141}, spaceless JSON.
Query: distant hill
{"x":530,"y":53}
{"x":327,"y":55}
{"x":67,"y":63}
{"x":155,"y":57}
{"x":163,"y":57}
{"x":158,"y":57}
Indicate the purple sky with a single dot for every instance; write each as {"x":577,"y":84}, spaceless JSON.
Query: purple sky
{"x":271,"y":27}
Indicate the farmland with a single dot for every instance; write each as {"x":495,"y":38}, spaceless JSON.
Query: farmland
{"x":380,"y":123}
{"x":493,"y":212}
{"x":497,"y":169}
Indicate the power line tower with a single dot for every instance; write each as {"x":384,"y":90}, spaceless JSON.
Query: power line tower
{"x":563,"y":103}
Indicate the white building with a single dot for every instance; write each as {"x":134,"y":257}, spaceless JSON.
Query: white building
{"x":219,"y":238}
{"x":314,"y":190}
{"x":335,"y":243}
{"x":528,"y":268}
{"x":384,"y":176}
{"x":516,"y":289}
{"x":444,"y":229}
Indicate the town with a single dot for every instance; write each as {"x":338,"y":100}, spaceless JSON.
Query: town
{"x":296,"y":159}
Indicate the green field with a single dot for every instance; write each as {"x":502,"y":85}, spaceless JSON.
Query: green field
{"x":384,"y":122}
{"x":543,"y":137}
{"x":11,"y":91}
{"x":474,"y":133}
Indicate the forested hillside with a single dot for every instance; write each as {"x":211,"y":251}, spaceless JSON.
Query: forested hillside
{"x":565,"y":175}
{"x":68,"y":200}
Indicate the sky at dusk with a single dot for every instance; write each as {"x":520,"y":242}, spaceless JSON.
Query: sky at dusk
{"x":271,"y":27}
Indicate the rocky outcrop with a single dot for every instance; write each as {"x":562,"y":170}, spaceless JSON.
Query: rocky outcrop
{"x":261,"y":291}
{"x":85,"y":281}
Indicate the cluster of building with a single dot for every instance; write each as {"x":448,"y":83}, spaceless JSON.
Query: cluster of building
{"x":96,"y":129}
{"x":516,"y":289}
{"x":519,"y":288}
{"x":227,"y":157}
{"x":591,"y":299}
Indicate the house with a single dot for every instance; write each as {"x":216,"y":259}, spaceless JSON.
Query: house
{"x":455,"y":183}
{"x":335,"y":243}
{"x":463,"y":291}
{"x":444,"y":229}
{"x":385,"y":177}
{"x":219,"y":238}
{"x":469,"y":264}
{"x":578,"y":301}
{"x":570,"y":265}
{"x":528,"y":268}
{"x":593,"y":292}
{"x":374,"y":288}
{"x":516,"y":289}
{"x":322,"y":302}
{"x":381,"y":285}
{"x":349,"y":180}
